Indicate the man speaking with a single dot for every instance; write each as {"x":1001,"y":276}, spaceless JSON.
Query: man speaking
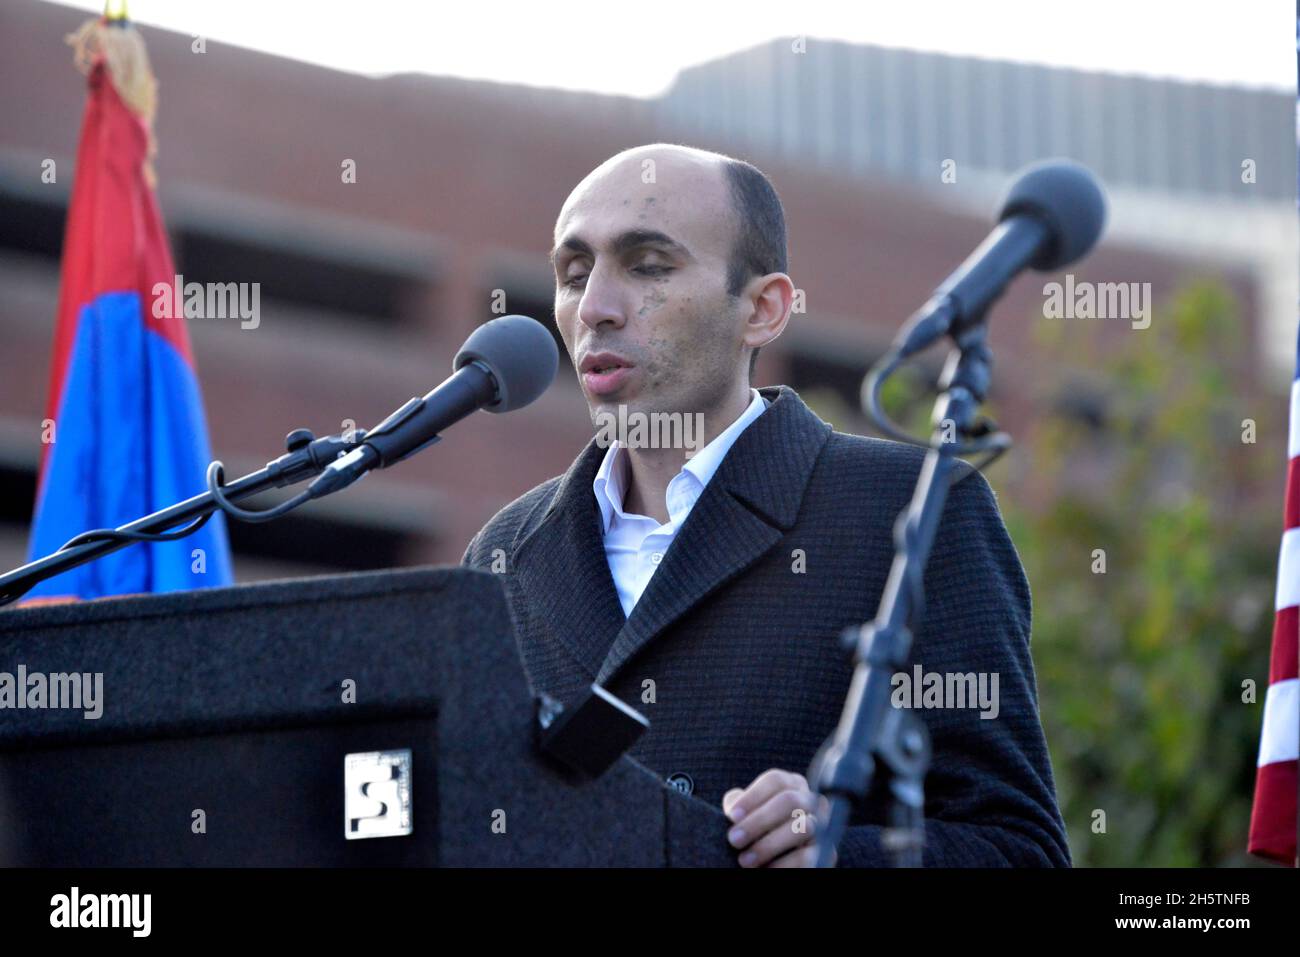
{"x":708,"y":585}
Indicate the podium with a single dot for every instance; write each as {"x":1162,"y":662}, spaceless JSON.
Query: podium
{"x":227,"y":715}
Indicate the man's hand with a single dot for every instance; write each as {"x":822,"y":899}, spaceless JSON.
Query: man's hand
{"x":774,"y":820}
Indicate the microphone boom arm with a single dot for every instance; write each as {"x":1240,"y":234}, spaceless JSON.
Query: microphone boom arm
{"x":306,"y":457}
{"x":505,"y":364}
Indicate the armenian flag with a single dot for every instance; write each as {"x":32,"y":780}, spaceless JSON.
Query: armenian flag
{"x":125,"y":433}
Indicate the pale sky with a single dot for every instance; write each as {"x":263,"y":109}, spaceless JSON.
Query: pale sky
{"x":635,"y":48}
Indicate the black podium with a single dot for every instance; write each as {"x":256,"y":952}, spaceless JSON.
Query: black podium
{"x":228,"y":715}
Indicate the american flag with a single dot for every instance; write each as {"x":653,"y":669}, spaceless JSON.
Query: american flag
{"x":1273,"y":821}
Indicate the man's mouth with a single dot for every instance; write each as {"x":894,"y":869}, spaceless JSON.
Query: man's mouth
{"x":605,"y":373}
{"x":603,"y":362}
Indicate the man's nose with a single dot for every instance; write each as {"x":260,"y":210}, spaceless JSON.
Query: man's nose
{"x":601,"y":301}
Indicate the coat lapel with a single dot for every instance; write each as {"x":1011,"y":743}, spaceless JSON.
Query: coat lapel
{"x":752,"y":500}
{"x":562,"y":567}
{"x":749,"y":504}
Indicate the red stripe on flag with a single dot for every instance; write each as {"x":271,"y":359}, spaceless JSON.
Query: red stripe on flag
{"x":1286,"y":640}
{"x":113,"y":241}
{"x":1273,"y":821}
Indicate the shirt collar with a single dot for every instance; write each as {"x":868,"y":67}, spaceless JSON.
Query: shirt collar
{"x":610,"y":484}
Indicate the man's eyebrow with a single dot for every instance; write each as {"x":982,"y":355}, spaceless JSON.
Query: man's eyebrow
{"x":623,"y":242}
{"x":574,"y":244}
{"x":634,"y":238}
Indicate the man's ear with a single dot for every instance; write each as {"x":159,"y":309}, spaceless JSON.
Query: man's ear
{"x":772,"y":297}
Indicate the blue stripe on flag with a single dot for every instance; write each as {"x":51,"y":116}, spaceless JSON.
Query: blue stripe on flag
{"x":130,"y":440}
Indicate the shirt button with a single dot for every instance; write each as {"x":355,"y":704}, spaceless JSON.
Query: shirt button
{"x":681,"y":781}
{"x":656,"y":557}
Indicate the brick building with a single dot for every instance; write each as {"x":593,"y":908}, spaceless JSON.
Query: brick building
{"x":368,"y":288}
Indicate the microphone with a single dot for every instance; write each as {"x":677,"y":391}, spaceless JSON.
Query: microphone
{"x":504,"y":365}
{"x":1052,"y":216}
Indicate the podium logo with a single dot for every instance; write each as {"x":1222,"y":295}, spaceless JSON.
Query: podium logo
{"x":377,"y":794}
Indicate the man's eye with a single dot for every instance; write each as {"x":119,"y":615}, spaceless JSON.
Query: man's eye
{"x":649,"y":270}
{"x":573,"y":281}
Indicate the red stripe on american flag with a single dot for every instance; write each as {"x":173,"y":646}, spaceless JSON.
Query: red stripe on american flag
{"x":1285,"y":643}
{"x":1273,"y":815}
{"x":1272,"y":823}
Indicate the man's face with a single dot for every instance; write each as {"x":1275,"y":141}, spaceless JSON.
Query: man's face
{"x":640,"y":271}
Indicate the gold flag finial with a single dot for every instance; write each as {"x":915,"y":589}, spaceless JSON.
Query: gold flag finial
{"x":113,"y":40}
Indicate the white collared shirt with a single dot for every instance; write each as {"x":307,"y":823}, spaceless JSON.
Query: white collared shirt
{"x":636,"y":544}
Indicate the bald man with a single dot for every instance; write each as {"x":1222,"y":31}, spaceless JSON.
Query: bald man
{"x":705,"y":578}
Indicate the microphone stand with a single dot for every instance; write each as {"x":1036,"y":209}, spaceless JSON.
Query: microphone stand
{"x":879,"y":750}
{"x":306,"y":457}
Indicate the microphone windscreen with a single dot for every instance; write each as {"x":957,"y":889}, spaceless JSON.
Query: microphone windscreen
{"x":521,"y":354}
{"x":1066,"y":197}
